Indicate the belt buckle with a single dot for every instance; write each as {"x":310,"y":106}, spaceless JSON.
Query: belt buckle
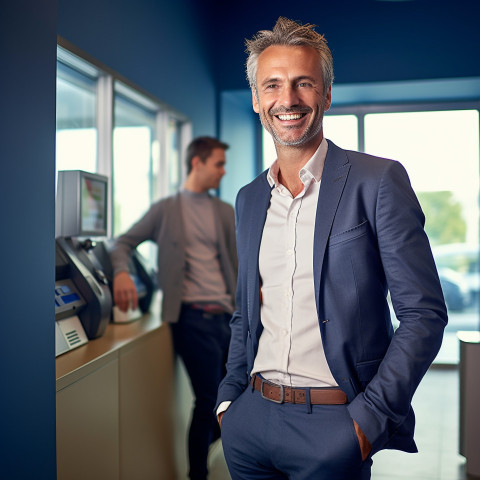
{"x":282,"y":396}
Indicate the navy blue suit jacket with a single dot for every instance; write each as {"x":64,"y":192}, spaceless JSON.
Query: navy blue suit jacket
{"x":369,"y":239}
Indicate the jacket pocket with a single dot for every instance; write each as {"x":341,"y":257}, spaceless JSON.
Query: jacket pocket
{"x":350,"y":234}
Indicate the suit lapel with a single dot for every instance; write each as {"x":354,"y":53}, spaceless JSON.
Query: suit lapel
{"x":259,"y":202}
{"x":334,"y":177}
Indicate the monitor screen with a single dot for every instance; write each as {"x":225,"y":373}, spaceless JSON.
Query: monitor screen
{"x":94,"y":200}
{"x":82,"y":204}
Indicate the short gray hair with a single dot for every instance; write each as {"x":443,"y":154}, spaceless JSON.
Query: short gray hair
{"x":289,"y":33}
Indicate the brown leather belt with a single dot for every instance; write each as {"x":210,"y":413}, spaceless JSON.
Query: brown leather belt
{"x":282,"y":394}
{"x":211,"y":308}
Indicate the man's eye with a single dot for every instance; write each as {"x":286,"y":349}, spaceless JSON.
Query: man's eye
{"x":304,"y":84}
{"x":271,"y":86}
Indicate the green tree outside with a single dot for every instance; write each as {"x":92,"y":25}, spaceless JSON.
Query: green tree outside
{"x":444,"y":222}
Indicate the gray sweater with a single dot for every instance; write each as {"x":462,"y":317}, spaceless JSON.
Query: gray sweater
{"x":163,"y":224}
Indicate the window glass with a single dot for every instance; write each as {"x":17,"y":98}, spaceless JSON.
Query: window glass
{"x":444,"y":173}
{"x":342,"y":130}
{"x":268,"y":149}
{"x":76,"y":136}
{"x":134,"y":146}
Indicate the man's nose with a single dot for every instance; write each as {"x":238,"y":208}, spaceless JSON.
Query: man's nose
{"x":288,"y":96}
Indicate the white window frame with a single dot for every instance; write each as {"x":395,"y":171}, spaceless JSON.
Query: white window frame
{"x":108,"y":81}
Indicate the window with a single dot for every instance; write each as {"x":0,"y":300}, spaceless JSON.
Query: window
{"x":342,"y":130}
{"x":443,"y":169}
{"x":134,"y":140}
{"x":106,"y":125}
{"x":269,"y":152}
{"x":76,"y":138}
{"x":135,"y":152}
{"x":439,"y":149}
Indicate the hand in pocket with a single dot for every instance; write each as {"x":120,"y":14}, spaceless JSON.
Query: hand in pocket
{"x":365,"y":446}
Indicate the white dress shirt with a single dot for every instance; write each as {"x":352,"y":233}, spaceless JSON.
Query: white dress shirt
{"x":290,"y":350}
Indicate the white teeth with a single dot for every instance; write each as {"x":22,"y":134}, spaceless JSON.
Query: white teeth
{"x":290,"y":116}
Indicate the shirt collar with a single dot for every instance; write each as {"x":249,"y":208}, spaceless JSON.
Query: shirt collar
{"x":313,"y":169}
{"x":188,"y":193}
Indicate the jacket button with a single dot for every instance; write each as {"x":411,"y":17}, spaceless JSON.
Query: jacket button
{"x":325,"y":321}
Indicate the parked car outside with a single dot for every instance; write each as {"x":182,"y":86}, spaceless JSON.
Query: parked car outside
{"x":455,"y":289}
{"x":458,"y":268}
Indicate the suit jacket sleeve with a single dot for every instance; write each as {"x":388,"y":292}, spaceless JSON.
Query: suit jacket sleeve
{"x":418,"y":304}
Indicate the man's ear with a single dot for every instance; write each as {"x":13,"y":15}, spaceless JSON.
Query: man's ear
{"x":328,"y":99}
{"x":195,"y":161}
{"x":255,"y":105}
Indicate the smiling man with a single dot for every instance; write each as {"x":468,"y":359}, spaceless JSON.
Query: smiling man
{"x":317,"y":380}
{"x":292,"y":94}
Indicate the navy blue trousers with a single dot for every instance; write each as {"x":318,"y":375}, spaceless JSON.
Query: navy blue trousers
{"x":264,"y":440}
{"x":201,"y":340}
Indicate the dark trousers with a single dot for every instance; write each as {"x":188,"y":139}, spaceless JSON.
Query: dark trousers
{"x":264,"y":440}
{"x":201,"y":340}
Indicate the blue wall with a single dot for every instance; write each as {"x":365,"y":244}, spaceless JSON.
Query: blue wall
{"x":156,"y":44}
{"x":371,"y":41}
{"x":27,"y":250}
{"x":239,"y":130}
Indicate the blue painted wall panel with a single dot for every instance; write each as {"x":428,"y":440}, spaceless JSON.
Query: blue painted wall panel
{"x":27,"y":250}
{"x":239,"y":130}
{"x":157,"y":44}
{"x":371,"y":41}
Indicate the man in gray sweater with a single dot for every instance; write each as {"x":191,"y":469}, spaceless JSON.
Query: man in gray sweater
{"x":197,"y":268}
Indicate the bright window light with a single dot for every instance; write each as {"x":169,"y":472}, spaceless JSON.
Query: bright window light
{"x":438,"y":149}
{"x":342,"y":130}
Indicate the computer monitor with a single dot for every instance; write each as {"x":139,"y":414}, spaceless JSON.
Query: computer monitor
{"x":82,"y":204}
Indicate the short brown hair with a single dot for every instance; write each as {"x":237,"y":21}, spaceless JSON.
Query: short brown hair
{"x":202,"y":147}
{"x":289,"y":33}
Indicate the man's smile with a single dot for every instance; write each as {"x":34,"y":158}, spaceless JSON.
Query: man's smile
{"x":290,"y":116}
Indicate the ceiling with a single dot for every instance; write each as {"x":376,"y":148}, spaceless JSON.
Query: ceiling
{"x":371,"y":40}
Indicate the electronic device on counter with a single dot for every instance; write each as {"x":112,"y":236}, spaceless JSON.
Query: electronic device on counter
{"x":84,"y":274}
{"x":92,"y":287}
{"x":81,"y":211}
{"x":82,"y":204}
{"x":69,"y":332}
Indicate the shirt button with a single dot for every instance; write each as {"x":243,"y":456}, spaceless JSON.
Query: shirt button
{"x":285,"y":332}
{"x":289,"y":252}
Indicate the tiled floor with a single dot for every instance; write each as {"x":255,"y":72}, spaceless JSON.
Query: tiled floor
{"x":436,"y":408}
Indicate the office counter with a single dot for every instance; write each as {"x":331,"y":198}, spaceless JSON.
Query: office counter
{"x":115,"y":405}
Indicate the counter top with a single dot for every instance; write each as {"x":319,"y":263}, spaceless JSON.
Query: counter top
{"x":114,"y":337}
